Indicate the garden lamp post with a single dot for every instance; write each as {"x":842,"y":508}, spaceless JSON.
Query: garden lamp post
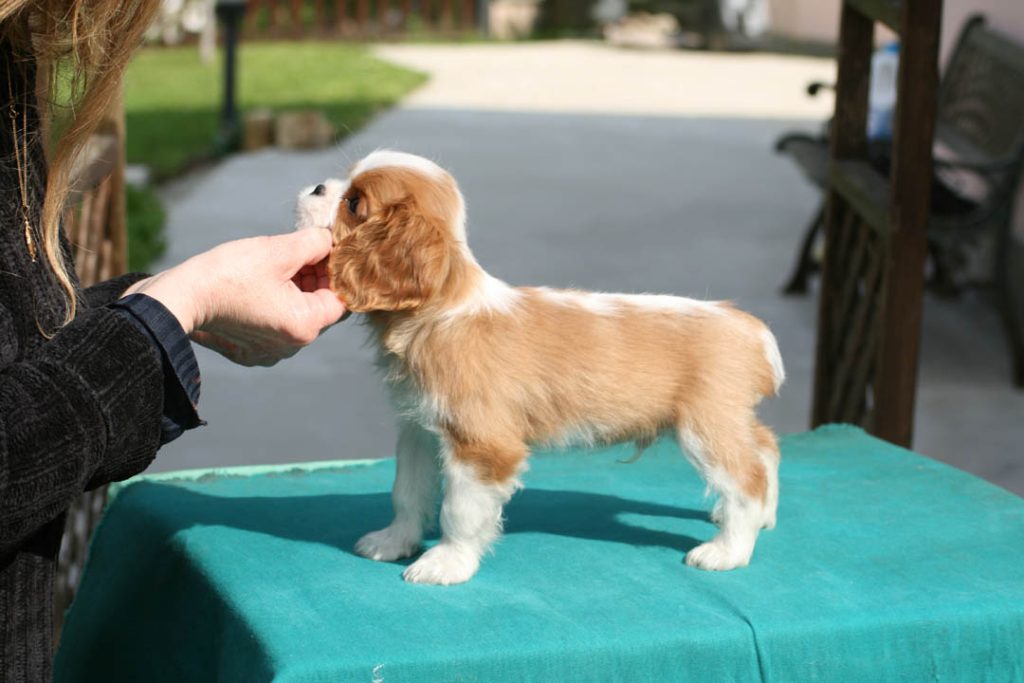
{"x":230,"y":13}
{"x":483,"y":21}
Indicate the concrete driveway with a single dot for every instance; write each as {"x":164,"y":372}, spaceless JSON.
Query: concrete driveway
{"x":590,"y":167}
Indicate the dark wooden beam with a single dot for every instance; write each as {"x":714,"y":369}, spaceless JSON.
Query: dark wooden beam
{"x":889,"y":12}
{"x":914,"y":130}
{"x":864,"y":189}
{"x":848,"y":140}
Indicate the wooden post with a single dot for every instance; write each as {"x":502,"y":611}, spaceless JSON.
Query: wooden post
{"x":406,"y":8}
{"x":914,"y":130}
{"x":340,"y":14}
{"x":363,"y":15}
{"x":117,"y":225}
{"x":319,"y":16}
{"x":273,"y":16}
{"x":848,"y":139}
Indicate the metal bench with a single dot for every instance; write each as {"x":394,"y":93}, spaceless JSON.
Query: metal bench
{"x":979,"y":159}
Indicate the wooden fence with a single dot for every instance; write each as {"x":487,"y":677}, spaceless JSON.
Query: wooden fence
{"x":358,"y":18}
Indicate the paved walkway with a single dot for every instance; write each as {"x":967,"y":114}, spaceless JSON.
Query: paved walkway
{"x":690,"y":201}
{"x":571,"y":77}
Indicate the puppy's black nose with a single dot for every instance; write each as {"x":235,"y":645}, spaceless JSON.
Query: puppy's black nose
{"x":319,"y":190}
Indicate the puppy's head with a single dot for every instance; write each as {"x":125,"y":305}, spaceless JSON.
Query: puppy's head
{"x":399,"y":234}
{"x":317,"y":205}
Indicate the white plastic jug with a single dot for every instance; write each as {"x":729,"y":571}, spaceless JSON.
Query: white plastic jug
{"x":885,"y":65}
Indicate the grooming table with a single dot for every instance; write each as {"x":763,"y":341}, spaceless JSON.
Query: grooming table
{"x":885,"y":566}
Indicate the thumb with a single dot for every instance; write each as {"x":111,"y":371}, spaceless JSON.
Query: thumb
{"x":324,"y":307}
{"x":302,"y":248}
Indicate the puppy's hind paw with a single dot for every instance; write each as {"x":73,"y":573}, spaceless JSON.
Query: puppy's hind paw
{"x":444,"y":564}
{"x":716,"y":556}
{"x":387,"y":545}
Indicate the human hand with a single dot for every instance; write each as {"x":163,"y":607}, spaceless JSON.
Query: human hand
{"x":256,"y":301}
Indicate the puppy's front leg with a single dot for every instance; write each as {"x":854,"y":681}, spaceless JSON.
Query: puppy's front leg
{"x":414,"y":496}
{"x":479,"y":480}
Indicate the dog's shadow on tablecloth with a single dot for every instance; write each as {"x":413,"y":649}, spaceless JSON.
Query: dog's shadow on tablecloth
{"x":338,"y":520}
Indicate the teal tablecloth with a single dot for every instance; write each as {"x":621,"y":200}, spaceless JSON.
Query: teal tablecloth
{"x":885,"y":566}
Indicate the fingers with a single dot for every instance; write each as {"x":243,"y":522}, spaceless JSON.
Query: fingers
{"x":323,"y":278}
{"x":306,"y":279}
{"x":302,"y":248}
{"x":312,"y":278}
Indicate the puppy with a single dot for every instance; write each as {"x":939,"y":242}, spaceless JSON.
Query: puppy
{"x":317,"y":205}
{"x":482,"y":371}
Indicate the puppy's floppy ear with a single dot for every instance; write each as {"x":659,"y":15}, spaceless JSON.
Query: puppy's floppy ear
{"x":390,"y":263}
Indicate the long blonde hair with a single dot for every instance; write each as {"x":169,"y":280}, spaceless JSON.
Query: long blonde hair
{"x":87,"y":44}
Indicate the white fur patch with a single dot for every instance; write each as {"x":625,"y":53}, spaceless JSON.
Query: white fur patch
{"x":696,"y":451}
{"x":675,"y":304}
{"x":584,"y":435}
{"x":383,"y":158}
{"x":414,"y":497}
{"x":471,"y":511}
{"x":604,"y":303}
{"x":470,"y":523}
{"x":594,"y":302}
{"x":443,"y":565}
{"x":774,"y":358}
{"x":491,"y":295}
{"x":739,"y":517}
{"x":771,"y":501}
{"x":319,"y":211}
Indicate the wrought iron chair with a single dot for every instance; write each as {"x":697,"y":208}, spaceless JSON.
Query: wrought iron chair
{"x":979,"y":164}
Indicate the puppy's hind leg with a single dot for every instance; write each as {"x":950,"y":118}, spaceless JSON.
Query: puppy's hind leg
{"x":479,"y":480}
{"x":414,"y":496}
{"x":726,"y":455}
{"x":768,"y":449}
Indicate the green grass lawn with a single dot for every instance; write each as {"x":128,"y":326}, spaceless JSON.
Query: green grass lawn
{"x":172,"y":100}
{"x":172,"y":107}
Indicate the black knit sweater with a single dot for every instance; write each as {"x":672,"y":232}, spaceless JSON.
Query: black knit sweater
{"x":78,"y":410}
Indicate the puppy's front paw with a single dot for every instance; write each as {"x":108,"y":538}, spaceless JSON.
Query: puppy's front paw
{"x":387,"y":545}
{"x":444,"y":564}
{"x":716,"y":556}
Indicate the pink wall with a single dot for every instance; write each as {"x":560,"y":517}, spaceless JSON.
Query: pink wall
{"x":812,"y":20}
{"x":1006,"y":16}
{"x":818,"y":20}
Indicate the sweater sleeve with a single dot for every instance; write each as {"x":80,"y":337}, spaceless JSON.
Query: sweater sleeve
{"x":107,"y":292}
{"x":83,"y":410}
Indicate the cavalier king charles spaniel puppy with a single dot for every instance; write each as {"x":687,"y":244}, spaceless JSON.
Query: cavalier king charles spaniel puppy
{"x":482,"y":371}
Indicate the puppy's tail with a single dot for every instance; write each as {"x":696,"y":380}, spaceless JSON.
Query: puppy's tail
{"x":774,"y":359}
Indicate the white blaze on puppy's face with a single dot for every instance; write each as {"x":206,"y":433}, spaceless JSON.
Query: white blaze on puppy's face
{"x":317,"y":205}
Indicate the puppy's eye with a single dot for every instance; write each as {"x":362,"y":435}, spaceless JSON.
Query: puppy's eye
{"x":353,"y":203}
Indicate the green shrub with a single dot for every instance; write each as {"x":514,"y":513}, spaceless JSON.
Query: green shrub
{"x":146,"y":218}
